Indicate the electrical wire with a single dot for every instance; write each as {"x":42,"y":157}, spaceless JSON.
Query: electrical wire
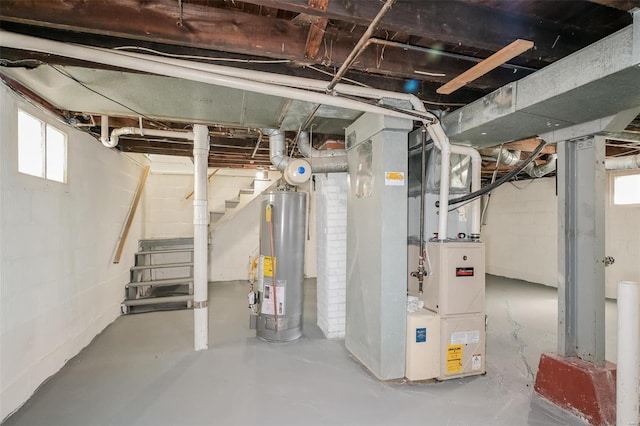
{"x":205,"y":58}
{"x":70,"y":76}
{"x":500,"y":181}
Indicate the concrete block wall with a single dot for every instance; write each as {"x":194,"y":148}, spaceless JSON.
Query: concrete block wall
{"x":521,"y":235}
{"x":331,"y":223}
{"x":59,"y":286}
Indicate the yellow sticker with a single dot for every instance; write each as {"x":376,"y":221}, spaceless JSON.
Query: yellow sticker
{"x":394,"y":178}
{"x":269,"y":266}
{"x":454,"y":359}
{"x":268,"y":213}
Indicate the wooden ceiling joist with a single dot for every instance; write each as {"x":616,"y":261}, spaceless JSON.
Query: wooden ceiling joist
{"x":492,"y":62}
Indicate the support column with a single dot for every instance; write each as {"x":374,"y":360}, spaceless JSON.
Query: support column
{"x":581,"y":199}
{"x":200,"y":249}
{"x":578,"y":378}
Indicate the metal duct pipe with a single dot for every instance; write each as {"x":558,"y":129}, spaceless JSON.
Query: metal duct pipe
{"x":476,"y":179}
{"x":623,"y":163}
{"x":542,"y":169}
{"x":306,"y":149}
{"x":441,"y":140}
{"x":277,"y":149}
{"x":504,"y":156}
{"x":162,"y":66}
{"x":200,"y":240}
{"x":279,"y":158}
{"x":512,"y":158}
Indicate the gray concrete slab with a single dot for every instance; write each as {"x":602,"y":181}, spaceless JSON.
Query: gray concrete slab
{"x":142,"y":371}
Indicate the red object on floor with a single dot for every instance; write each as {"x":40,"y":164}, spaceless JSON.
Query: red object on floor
{"x":579,"y":386}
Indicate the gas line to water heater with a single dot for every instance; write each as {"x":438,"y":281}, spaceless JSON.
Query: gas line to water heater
{"x":269,"y":220}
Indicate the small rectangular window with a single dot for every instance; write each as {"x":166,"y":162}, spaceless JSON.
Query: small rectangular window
{"x":42,"y":149}
{"x":626,"y":189}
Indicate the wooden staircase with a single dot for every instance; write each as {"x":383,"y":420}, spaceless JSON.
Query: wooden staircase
{"x":162,"y":277}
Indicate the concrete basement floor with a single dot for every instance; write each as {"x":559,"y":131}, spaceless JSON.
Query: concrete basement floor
{"x":142,"y":371}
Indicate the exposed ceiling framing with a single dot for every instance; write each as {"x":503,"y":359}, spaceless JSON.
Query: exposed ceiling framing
{"x":418,"y":46}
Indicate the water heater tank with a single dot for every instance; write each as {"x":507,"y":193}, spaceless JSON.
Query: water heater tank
{"x":280,"y":289}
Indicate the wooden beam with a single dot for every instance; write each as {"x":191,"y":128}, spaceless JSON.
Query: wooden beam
{"x":315,"y":37}
{"x":459,"y":23}
{"x":316,"y":29}
{"x":132,"y":211}
{"x":492,"y":62}
{"x":529,"y":145}
{"x":625,"y":5}
{"x":210,"y":28}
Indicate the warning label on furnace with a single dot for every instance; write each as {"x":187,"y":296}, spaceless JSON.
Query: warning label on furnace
{"x":454,"y":359}
{"x":465,"y":337}
{"x":476,"y":361}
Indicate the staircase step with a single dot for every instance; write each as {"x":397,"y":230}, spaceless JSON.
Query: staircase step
{"x":155,"y":300}
{"x":165,"y":243}
{"x":230,"y":204}
{"x":161,"y":265}
{"x":160,"y":283}
{"x":176,"y":250}
{"x":214,"y":216}
{"x":249,"y":191}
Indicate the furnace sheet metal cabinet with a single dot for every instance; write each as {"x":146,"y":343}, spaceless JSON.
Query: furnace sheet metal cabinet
{"x":462,"y":342}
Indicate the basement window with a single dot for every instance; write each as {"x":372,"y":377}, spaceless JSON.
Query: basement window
{"x":626,"y":189}
{"x":42,"y":149}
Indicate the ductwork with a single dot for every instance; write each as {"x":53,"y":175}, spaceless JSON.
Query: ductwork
{"x":319,"y":163}
{"x":304,"y":145}
{"x":512,"y":158}
{"x":623,"y":163}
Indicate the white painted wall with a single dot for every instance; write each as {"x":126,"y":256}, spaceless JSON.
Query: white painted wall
{"x":58,"y":286}
{"x":331,"y":225}
{"x":522,"y":239}
{"x":233,"y":244}
{"x":623,"y":241}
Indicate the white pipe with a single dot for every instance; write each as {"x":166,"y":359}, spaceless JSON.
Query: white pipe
{"x":285,"y":80}
{"x":200,"y":249}
{"x":442,"y":142}
{"x":476,"y":176}
{"x":623,"y":163}
{"x":116,"y":133}
{"x":160,"y":66}
{"x":104,"y":133}
{"x":627,"y":392}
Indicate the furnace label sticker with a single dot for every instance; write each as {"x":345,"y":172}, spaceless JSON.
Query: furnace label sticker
{"x":454,"y":359}
{"x":394,"y":178}
{"x":267,"y":299}
{"x":421,"y":335}
{"x":465,"y":337}
{"x":476,"y":361}
{"x":269,"y":265}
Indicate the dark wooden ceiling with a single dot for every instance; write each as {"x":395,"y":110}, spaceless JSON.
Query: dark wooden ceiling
{"x":418,"y":46}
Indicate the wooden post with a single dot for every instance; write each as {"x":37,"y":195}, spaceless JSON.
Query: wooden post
{"x":132,"y":212}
